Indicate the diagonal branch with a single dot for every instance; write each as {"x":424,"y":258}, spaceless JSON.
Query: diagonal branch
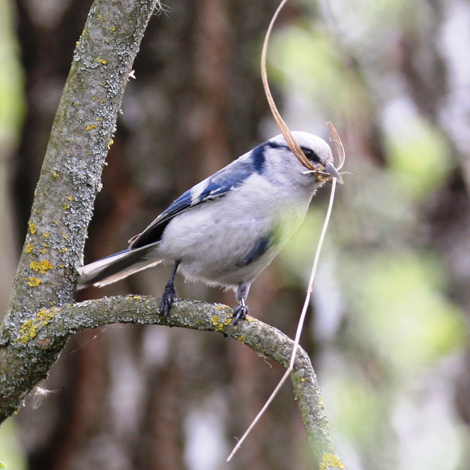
{"x":54,"y":326}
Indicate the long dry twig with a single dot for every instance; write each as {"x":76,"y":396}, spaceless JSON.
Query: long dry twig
{"x":295,"y":148}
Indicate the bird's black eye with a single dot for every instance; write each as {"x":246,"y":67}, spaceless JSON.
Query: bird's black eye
{"x":311,"y":155}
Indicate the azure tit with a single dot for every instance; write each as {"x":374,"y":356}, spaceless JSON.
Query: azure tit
{"x":228,"y":228}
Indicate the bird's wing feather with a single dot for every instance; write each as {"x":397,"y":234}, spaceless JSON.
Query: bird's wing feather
{"x":214,"y":187}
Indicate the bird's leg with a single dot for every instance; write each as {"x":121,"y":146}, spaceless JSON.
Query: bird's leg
{"x":241,"y":311}
{"x":169,"y":293}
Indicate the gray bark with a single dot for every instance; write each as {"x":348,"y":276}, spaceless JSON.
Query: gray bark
{"x":70,"y":179}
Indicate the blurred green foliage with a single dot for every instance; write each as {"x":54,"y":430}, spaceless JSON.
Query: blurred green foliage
{"x":11,"y":452}
{"x":11,"y":79}
{"x":11,"y":114}
{"x":419,"y":158}
{"x":308,"y":60}
{"x":404,"y":313}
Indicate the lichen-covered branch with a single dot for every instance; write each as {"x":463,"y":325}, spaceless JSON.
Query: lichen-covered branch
{"x":52,"y":327}
{"x":70,"y":179}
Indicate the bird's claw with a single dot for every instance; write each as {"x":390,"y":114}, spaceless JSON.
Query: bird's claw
{"x":240,"y":314}
{"x":168,"y":298}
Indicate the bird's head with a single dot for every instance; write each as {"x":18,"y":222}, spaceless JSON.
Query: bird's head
{"x":318,"y":153}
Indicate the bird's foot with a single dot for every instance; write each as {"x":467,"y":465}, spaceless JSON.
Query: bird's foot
{"x":168,"y":297}
{"x":240,"y":314}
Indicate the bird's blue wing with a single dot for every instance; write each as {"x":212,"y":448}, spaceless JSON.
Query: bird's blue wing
{"x":153,"y":233}
{"x":214,"y":187}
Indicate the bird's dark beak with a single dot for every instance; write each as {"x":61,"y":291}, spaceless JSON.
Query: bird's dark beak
{"x":331,"y":170}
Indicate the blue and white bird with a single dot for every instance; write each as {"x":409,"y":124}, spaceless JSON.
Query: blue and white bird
{"x":228,"y":228}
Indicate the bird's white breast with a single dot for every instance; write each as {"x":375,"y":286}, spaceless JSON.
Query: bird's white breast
{"x":212,"y":238}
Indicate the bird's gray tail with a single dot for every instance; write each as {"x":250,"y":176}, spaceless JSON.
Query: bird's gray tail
{"x":118,"y":266}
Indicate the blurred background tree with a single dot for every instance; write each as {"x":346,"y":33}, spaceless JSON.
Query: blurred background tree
{"x":387,"y":333}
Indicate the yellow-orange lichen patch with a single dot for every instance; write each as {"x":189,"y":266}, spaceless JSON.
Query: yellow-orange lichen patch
{"x":41,"y":266}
